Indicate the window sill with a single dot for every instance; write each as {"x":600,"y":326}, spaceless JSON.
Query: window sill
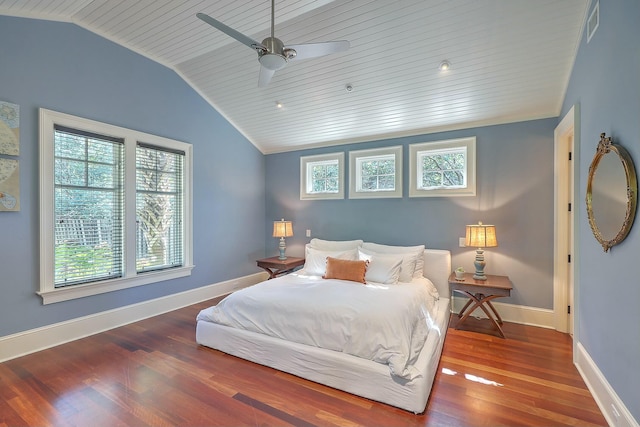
{"x":81,"y":291}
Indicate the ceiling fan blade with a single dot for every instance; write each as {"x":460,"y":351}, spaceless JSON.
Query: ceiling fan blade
{"x":314,"y":50}
{"x":265,"y":76}
{"x":248,"y":41}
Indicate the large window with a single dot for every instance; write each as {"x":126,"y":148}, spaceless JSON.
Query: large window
{"x":443,"y":168}
{"x":375,"y":173}
{"x":158,"y":208}
{"x":88,"y":207}
{"x":322,"y":177}
{"x":115,"y":207}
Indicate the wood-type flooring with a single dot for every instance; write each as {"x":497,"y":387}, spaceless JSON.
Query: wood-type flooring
{"x":152,"y":373}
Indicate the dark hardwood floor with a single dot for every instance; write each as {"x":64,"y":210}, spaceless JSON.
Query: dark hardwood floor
{"x":153,"y":373}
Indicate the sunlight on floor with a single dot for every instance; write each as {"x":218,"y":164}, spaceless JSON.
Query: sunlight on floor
{"x":473,"y":378}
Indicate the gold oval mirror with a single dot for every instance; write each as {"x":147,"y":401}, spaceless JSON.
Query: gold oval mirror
{"x":612,"y":192}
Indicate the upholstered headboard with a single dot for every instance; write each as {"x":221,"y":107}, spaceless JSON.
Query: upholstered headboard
{"x":437,"y":268}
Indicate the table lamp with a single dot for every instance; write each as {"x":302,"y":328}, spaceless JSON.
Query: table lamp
{"x":282,"y":229}
{"x":481,"y":236}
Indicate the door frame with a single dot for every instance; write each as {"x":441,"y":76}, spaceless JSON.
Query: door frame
{"x":566,"y":178}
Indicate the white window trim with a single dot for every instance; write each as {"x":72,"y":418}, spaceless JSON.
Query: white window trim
{"x":304,"y":176}
{"x":469,"y":190}
{"x":355,"y":173}
{"x":131,"y":278}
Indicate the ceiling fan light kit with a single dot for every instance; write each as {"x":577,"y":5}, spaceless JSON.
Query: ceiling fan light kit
{"x":273,"y":54}
{"x":273,"y":61}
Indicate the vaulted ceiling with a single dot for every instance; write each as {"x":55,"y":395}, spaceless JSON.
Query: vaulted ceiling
{"x":510,"y":61}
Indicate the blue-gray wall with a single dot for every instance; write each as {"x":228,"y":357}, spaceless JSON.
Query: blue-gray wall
{"x":606,"y":84}
{"x":238,"y":192}
{"x":514,"y":192}
{"x":62,"y":67}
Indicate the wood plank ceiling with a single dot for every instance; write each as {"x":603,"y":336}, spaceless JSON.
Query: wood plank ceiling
{"x":510,"y":61}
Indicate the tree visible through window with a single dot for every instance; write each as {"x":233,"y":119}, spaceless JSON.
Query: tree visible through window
{"x":88,"y":192}
{"x":115,"y":212}
{"x":158,"y":208}
{"x":377,"y":174}
{"x":324,"y":177}
{"x":443,"y":168}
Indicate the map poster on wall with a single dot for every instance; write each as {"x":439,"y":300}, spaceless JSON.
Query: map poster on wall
{"x":9,"y":185}
{"x":9,"y":129}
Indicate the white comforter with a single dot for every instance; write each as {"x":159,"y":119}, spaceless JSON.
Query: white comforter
{"x":384,"y":323}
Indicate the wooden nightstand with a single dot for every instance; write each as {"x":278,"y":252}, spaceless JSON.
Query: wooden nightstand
{"x":480,"y":293}
{"x":277,"y":267}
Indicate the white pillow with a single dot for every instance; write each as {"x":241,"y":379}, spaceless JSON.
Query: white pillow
{"x":315,"y":263}
{"x":407,"y":266}
{"x":431,"y":288}
{"x":386,"y":249}
{"x":382,"y":268}
{"x":335,"y":245}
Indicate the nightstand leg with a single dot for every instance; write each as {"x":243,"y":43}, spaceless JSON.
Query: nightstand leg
{"x":479,"y":300}
{"x":495,"y":312}
{"x":472,"y":299}
{"x":487,"y":300}
{"x":465,"y":307}
{"x":272,"y":273}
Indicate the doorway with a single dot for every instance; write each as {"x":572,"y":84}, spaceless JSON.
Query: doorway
{"x":565,"y":157}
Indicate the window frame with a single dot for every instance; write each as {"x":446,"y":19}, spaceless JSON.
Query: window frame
{"x":47,"y":290}
{"x":415,"y":150}
{"x":306,"y":162}
{"x":355,"y":172}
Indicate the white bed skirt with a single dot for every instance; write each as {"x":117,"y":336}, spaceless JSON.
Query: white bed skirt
{"x":335,"y":369}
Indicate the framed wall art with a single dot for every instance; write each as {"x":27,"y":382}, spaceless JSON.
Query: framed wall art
{"x":9,"y":146}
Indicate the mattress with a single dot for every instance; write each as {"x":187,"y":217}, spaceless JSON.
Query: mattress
{"x":333,"y":313}
{"x":340,"y":370}
{"x":336,"y":369}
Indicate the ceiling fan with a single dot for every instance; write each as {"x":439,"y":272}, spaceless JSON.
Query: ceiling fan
{"x":273,"y":55}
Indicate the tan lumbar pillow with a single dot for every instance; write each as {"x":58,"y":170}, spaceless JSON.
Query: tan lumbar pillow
{"x":346,"y":270}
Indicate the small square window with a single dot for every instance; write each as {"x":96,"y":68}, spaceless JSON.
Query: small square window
{"x":443,"y":168}
{"x":375,"y":173}
{"x":322,"y":177}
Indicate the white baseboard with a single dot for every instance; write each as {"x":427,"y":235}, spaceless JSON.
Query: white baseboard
{"x":22,"y":343}
{"x":613,"y":409}
{"x":521,"y":314}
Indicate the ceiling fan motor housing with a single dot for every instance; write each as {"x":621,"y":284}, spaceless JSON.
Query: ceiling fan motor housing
{"x":275,"y":57}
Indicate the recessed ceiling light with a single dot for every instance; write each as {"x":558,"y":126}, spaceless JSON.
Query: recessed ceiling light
{"x":444,"y":66}
{"x":278,"y":104}
{"x":348,"y":87}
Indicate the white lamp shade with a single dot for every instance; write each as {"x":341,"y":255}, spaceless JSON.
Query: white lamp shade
{"x":282,"y":228}
{"x":481,"y":236}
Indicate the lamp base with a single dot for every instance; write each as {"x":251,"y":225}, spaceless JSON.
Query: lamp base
{"x":479,"y":263}
{"x":281,"y":248}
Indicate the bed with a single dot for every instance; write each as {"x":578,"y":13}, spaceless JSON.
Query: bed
{"x":310,"y":344}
